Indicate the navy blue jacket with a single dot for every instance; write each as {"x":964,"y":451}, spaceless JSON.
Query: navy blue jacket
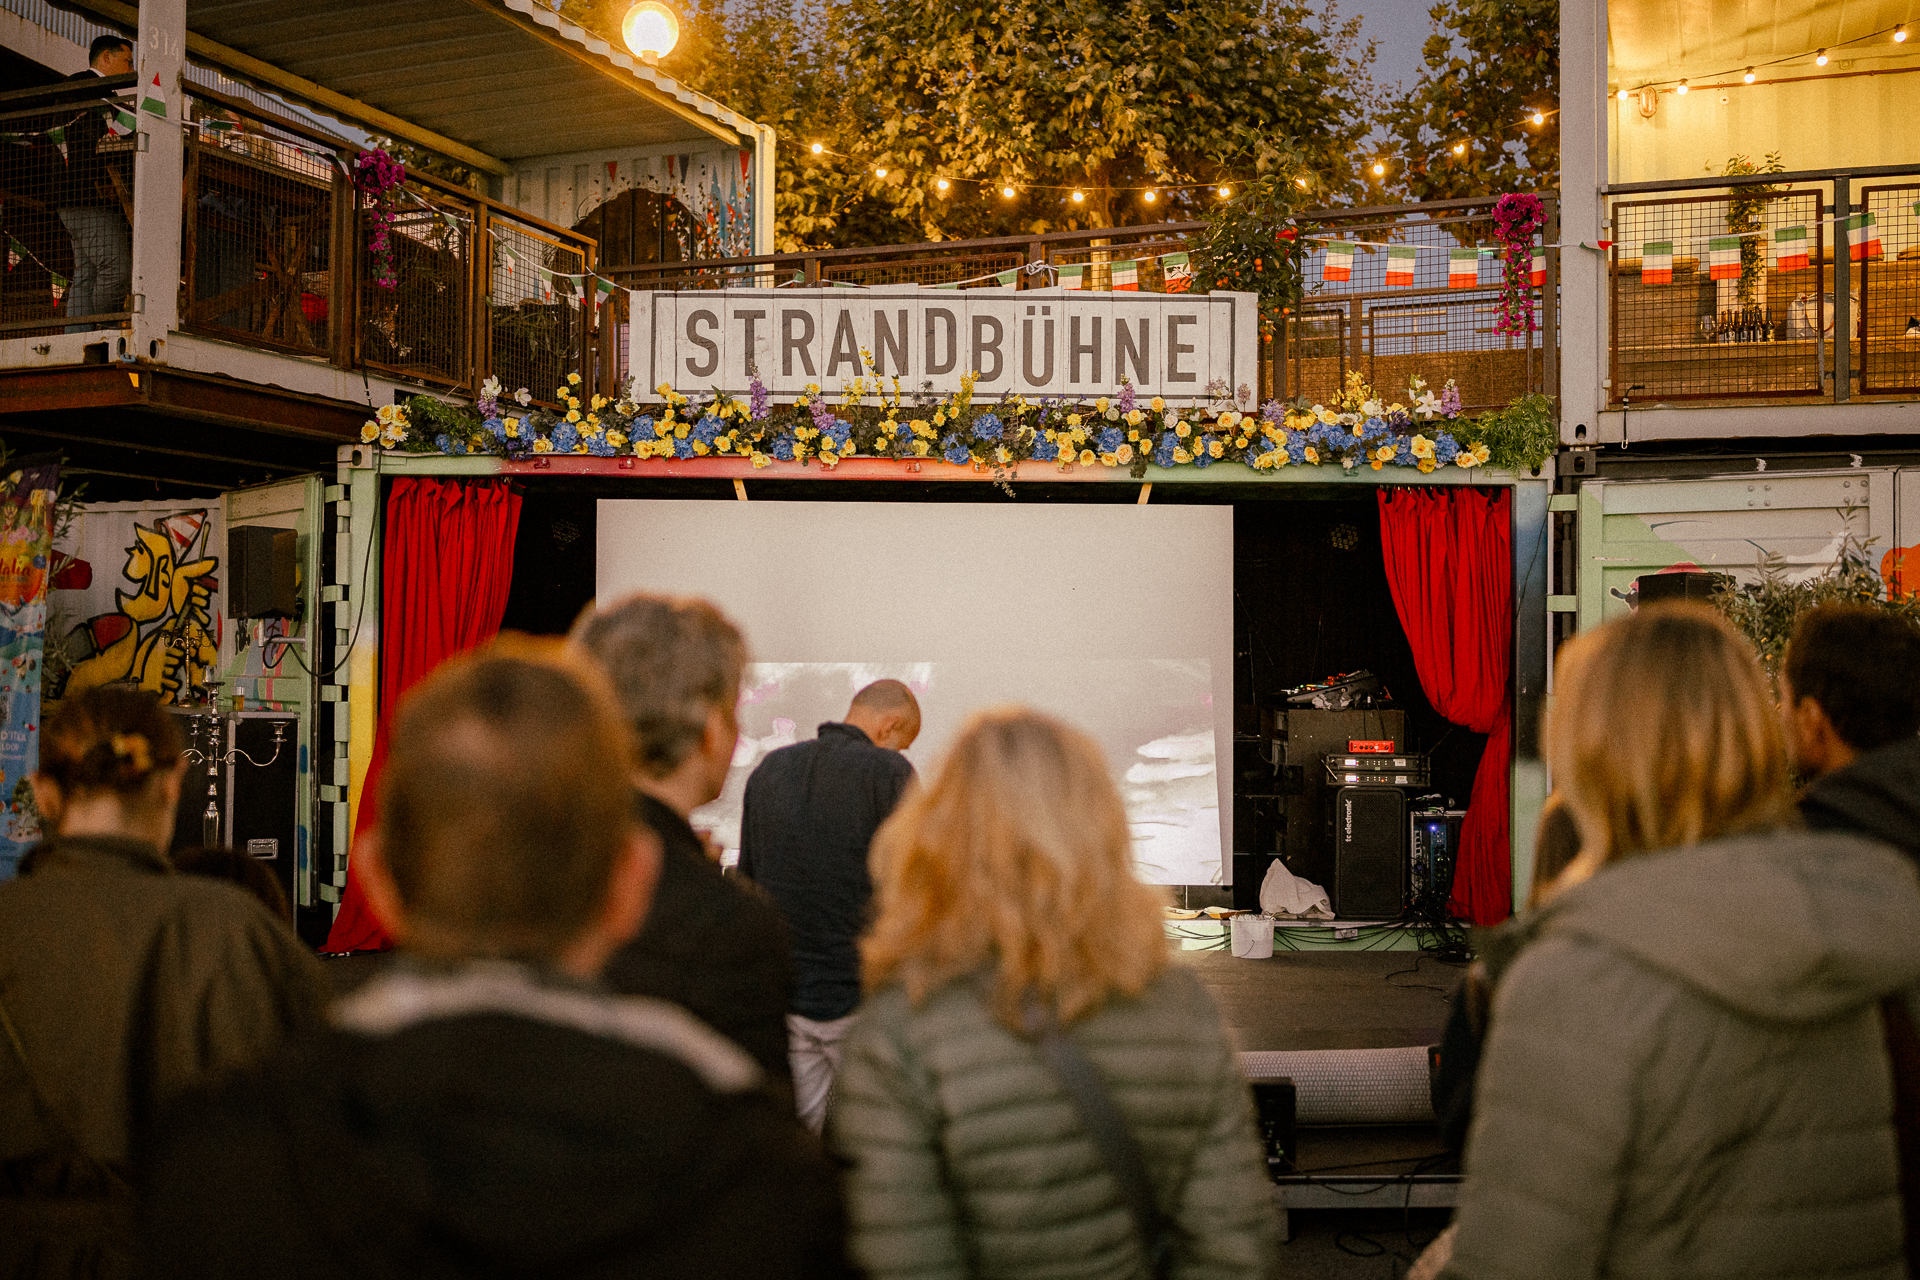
{"x":811,"y":811}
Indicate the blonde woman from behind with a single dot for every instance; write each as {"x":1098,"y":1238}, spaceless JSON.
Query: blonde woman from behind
{"x":1685,"y":1074}
{"x":1005,"y":891}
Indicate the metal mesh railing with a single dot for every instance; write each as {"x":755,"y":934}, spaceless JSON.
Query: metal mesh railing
{"x":1888,"y":281}
{"x":537,"y":323}
{"x":66,"y":211}
{"x":1720,"y":297}
{"x":257,"y":250}
{"x":421,"y":325}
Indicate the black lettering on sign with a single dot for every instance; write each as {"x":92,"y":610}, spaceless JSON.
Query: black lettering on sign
{"x":984,"y":346}
{"x":1076,"y":349}
{"x":695,"y":320}
{"x":789,"y":345}
{"x":889,"y":344}
{"x":846,"y":345}
{"x":748,"y":318}
{"x":941,"y":319}
{"x":1045,"y":375}
{"x":1126,"y":351}
{"x":1177,"y":348}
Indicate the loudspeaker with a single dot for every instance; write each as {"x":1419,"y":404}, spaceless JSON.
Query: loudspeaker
{"x":1275,"y":1103}
{"x":260,"y":577}
{"x":1369,"y":853}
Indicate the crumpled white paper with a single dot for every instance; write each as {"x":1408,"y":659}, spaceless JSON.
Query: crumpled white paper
{"x":1283,"y":893}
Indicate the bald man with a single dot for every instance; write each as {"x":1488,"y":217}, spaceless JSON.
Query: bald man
{"x":811,"y":811}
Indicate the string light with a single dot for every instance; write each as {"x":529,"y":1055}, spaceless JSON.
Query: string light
{"x":1622,"y":95}
{"x":1379,"y":169}
{"x":943,"y":184}
{"x":879,"y":173}
{"x":1681,"y":87}
{"x":1150,"y":197}
{"x":1078,"y":196}
{"x":1820,"y":58}
{"x":1539,"y":117}
{"x":1900,"y":34}
{"x":1006,"y":193}
{"x":817,"y":148}
{"x":1459,"y":148}
{"x":1749,"y":76}
{"x":1226,"y":193}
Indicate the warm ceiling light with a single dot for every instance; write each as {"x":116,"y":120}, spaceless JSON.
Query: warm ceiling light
{"x":650,"y":29}
{"x":943,"y":184}
{"x":1622,"y":95}
{"x":1900,"y":34}
{"x":1820,"y":58}
{"x":1226,"y":193}
{"x":1749,"y":76}
{"x":1681,"y":87}
{"x":817,"y":148}
{"x":1006,"y":193}
{"x":1539,"y":117}
{"x":1379,"y":169}
{"x":1078,"y":196}
{"x":1151,"y":196}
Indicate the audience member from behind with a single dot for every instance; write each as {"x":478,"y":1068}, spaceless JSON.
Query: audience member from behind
{"x":122,"y":984}
{"x":1684,"y":1075}
{"x":810,"y":814}
{"x":1850,"y":692}
{"x":709,"y":944}
{"x":1008,"y":908}
{"x":483,"y":1107}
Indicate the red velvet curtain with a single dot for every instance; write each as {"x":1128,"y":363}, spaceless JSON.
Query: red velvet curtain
{"x":1449,"y":559}
{"x":444,"y":575}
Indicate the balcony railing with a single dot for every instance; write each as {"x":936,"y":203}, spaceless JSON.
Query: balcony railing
{"x":1724,"y":289}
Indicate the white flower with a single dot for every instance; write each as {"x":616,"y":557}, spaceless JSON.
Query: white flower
{"x":490,"y":389}
{"x":1371,"y":409}
{"x":523,"y":396}
{"x":392,"y":435}
{"x":1428,"y":405}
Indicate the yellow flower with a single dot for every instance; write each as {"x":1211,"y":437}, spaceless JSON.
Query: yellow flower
{"x":1299,"y":421}
{"x":1133,"y":417}
{"x":1465,"y":458}
{"x":1124,"y":454}
{"x":699,"y":450}
{"x":1182,"y":430}
{"x":388,"y":415}
{"x":543,"y":445}
{"x":369,"y":432}
{"x":1240,"y":443}
{"x":581,"y":447}
{"x":761,"y":460}
{"x":599,"y":401}
{"x":940,"y":417}
{"x":1181,"y":456}
{"x":1312,"y":455}
{"x":1157,"y":404}
{"x":1216,"y":447}
{"x":1383,"y":454}
{"x":573,"y":379}
{"x":1426,"y":465}
{"x":1278,"y":457}
{"x":663,"y":428}
{"x":1109,"y":460}
{"x":1481,"y":453}
{"x":573,"y":415}
{"x":1421,"y":446}
{"x":665,"y":388}
{"x":1073,"y":419}
{"x":680,"y":431}
{"x":1376,"y":464}
{"x":1359,"y":429}
{"x":1101,"y":404}
{"x":1227,"y":420}
{"x":848,"y":449}
{"x":616,"y":438}
{"x":920,"y":449}
{"x":1086,"y":457}
{"x":919,"y":427}
{"x":1325,"y":414}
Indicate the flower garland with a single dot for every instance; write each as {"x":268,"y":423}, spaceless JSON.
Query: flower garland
{"x":377,"y":174}
{"x":1515,"y":218}
{"x":1123,"y":430}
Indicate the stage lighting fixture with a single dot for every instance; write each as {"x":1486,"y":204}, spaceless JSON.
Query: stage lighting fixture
{"x":650,"y":30}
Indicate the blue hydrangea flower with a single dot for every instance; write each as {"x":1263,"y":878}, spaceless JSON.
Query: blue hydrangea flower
{"x":1403,"y":454}
{"x":495,"y":428}
{"x":682,"y":447}
{"x":443,"y":442}
{"x":782,"y":448}
{"x":708,"y":429}
{"x":1202,"y":456}
{"x":642,"y":427}
{"x":598,"y":446}
{"x":1110,"y":440}
{"x":1045,"y":450}
{"x":838,"y":431}
{"x":1163,"y":452}
{"x":1445,"y":448}
{"x":1296,"y":447}
{"x":1374,"y":429}
{"x":953,"y":451}
{"x":987,"y":427}
{"x":565,"y":436}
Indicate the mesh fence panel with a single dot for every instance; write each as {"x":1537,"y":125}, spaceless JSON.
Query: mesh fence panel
{"x":1680,"y":333}
{"x":257,"y":247}
{"x":420,"y":327}
{"x":536,"y":323}
{"x":1889,"y":283}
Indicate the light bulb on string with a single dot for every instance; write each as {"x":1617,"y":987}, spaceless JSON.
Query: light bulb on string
{"x":1079,"y":196}
{"x":1539,"y":117}
{"x":1749,"y":76}
{"x":1006,"y":193}
{"x":1681,"y":87}
{"x":879,"y":173}
{"x":1622,"y":95}
{"x":1226,"y":193}
{"x":1459,"y":148}
{"x":1820,"y":58}
{"x":1151,"y":196}
{"x":650,"y":30}
{"x":817,"y":148}
{"x":1900,"y":34}
{"x":1379,"y":169}
{"x":943,"y":184}
{"x":1302,"y":183}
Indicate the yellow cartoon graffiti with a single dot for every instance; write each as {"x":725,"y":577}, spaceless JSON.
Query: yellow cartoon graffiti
{"x":162,"y":636}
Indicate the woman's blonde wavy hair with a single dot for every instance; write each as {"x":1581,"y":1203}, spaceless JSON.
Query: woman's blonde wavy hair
{"x":1016,"y":858}
{"x":1663,"y":734}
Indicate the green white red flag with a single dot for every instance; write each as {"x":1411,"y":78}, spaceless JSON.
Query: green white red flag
{"x":1790,"y":249}
{"x":1463,"y":268}
{"x":546,"y":283}
{"x":1723,"y":258}
{"x":1339,"y":261}
{"x":59,"y":285}
{"x":1537,"y":269}
{"x":1126,"y":276}
{"x":120,"y":121}
{"x":1178,"y":270}
{"x":1401,"y":260}
{"x":602,"y":290}
{"x":155,"y":102}
{"x":1863,"y":237}
{"x":1656,"y":262}
{"x":15,"y":252}
{"x":509,"y":259}
{"x":1005,"y":279}
{"x":1073,"y":276}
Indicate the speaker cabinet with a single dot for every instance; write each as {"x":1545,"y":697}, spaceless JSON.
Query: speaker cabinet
{"x":261,"y":579}
{"x":1369,"y":853}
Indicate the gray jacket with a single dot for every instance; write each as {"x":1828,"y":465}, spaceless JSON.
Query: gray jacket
{"x":967,"y":1159}
{"x":1685,"y":1076}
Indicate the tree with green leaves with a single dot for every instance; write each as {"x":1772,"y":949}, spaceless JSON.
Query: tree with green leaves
{"x":1465,"y":126}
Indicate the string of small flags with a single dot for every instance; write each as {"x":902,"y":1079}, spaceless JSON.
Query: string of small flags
{"x":18,"y":253}
{"x":1790,"y":247}
{"x":1463,"y":263}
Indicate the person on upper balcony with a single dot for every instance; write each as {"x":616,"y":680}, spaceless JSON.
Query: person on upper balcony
{"x":89,"y":201}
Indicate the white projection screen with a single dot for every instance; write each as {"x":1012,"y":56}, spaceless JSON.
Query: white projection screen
{"x":1118,"y":619}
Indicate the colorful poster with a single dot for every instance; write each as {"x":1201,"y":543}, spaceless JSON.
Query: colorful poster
{"x":26,"y":545}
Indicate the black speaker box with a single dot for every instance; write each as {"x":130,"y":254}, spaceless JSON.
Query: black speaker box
{"x":260,"y":578}
{"x":1369,"y":853}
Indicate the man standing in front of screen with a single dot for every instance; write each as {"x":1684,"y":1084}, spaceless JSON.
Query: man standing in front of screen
{"x":811,"y":811}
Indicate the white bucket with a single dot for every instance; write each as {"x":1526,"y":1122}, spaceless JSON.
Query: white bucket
{"x":1252,"y":937}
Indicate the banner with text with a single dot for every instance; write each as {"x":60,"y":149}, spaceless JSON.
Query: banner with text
{"x":1041,"y":342}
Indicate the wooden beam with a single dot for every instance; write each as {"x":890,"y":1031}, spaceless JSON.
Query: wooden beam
{"x":268,"y":76}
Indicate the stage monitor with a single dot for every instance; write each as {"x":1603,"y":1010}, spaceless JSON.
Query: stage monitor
{"x":1118,"y":619}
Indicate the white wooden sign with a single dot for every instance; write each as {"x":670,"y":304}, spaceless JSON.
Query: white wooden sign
{"x":1041,"y":342}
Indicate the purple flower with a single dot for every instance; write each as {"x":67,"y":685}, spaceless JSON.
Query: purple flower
{"x":1125,"y":405}
{"x":1450,"y":399}
{"x":758,"y":401}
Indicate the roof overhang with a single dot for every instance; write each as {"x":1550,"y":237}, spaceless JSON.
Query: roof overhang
{"x":1657,"y":40}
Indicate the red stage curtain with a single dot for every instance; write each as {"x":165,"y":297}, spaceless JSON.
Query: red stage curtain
{"x":1449,"y":559}
{"x":444,"y":575}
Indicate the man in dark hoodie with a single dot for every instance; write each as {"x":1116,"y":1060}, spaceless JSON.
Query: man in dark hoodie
{"x":1850,"y":692}
{"x":486,"y":1107}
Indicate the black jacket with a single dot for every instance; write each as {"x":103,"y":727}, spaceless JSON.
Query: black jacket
{"x":85,"y":179}
{"x":810,"y":814}
{"x":711,"y":945}
{"x":488,"y":1121}
{"x":1878,"y":795}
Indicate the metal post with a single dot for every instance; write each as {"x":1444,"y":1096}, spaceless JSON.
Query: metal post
{"x":1550,"y":309}
{"x":158,"y":167}
{"x":1842,"y":290}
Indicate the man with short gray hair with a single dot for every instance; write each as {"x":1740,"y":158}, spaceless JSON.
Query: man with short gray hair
{"x":710,"y":945}
{"x":811,"y":811}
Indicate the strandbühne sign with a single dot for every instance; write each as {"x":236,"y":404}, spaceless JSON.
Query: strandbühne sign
{"x":1040,"y":342}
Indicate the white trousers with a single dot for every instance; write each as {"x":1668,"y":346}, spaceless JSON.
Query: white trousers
{"x":813,"y":1048}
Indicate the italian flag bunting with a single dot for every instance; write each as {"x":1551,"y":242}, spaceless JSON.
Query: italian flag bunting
{"x":1339,"y":263}
{"x":15,"y":252}
{"x":58,"y":137}
{"x":602,"y":290}
{"x":155,"y":103}
{"x":1537,"y":269}
{"x":1073,"y":276}
{"x":508,"y":258}
{"x":1463,"y":268}
{"x":120,"y":121}
{"x":546,"y":283}
{"x":1401,"y":260}
{"x":1126,"y":276}
{"x":1178,"y":270}
{"x":1790,"y":249}
{"x":1723,"y":258}
{"x":1656,"y":262}
{"x":1863,"y":237}
{"x":1006,"y":279}
{"x":59,"y":285}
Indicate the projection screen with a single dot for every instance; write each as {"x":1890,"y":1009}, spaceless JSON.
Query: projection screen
{"x":1118,"y":619}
